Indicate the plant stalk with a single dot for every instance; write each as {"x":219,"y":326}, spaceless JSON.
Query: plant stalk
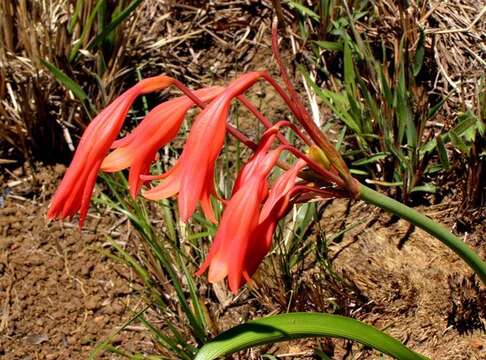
{"x":425,"y":223}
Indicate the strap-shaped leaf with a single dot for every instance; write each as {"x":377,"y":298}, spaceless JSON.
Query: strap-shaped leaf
{"x":115,"y":21}
{"x":65,"y":80}
{"x":300,"y":325}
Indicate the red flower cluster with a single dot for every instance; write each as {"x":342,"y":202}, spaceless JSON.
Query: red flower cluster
{"x":250,"y":216}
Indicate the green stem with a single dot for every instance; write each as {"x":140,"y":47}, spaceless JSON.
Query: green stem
{"x":453,"y":242}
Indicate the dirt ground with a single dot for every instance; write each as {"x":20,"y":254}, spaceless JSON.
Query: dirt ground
{"x":417,"y":289}
{"x":59,"y":296}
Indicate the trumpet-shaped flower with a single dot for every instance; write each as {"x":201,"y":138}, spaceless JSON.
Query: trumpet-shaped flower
{"x":274,"y":208}
{"x":76,"y":188}
{"x":138,"y":149}
{"x":193,"y":179}
{"x":245,"y":232}
{"x":228,"y":254}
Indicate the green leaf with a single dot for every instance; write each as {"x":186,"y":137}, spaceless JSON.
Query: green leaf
{"x":114,"y":23}
{"x":385,"y":183}
{"x":301,"y":325}
{"x":86,"y":30}
{"x":321,"y":354}
{"x":406,"y":124}
{"x":130,"y":261}
{"x":385,"y":88}
{"x":433,"y":168}
{"x":65,"y":80}
{"x":372,"y":159}
{"x":303,"y":10}
{"x":419,"y":54}
{"x":444,"y":160}
{"x":358,"y":172}
{"x":338,"y":103}
{"x":375,"y":112}
{"x":340,"y":138}
{"x":349,"y":74}
{"x":74,"y":19}
{"x":466,"y":122}
{"x":458,"y":143}
{"x":428,"y":188}
{"x":330,"y":45}
{"x":197,"y":304}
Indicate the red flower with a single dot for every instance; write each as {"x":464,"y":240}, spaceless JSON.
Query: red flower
{"x":246,"y":228}
{"x":275,"y":208}
{"x":228,"y":254}
{"x":193,"y":177}
{"x":74,"y":192}
{"x":138,"y":149}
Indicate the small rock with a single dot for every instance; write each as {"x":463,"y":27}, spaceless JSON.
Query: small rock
{"x":86,"y":341}
{"x":35,"y":261}
{"x":36,"y":339}
{"x":116,"y":340}
{"x":118,"y":308}
{"x":93,"y":303}
{"x":86,"y":269}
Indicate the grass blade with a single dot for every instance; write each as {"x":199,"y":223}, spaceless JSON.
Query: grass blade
{"x":74,"y":18}
{"x":66,"y":81}
{"x":114,"y":23}
{"x":303,"y":10}
{"x":419,"y":54}
{"x":85,"y":32}
{"x":444,"y":160}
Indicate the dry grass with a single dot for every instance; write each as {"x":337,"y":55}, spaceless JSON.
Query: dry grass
{"x":459,"y":30}
{"x":198,"y":41}
{"x":36,"y":112}
{"x":41,"y":120}
{"x":455,"y":38}
{"x":174,"y":38}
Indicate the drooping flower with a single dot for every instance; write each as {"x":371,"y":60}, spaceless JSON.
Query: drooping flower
{"x":274,"y":208}
{"x":250,"y":217}
{"x":254,"y":165}
{"x":193,"y":180}
{"x":138,"y":149}
{"x":228,"y":254}
{"x":74,"y":192}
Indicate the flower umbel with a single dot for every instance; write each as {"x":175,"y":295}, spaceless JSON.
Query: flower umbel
{"x":249,"y":220}
{"x":256,"y":205}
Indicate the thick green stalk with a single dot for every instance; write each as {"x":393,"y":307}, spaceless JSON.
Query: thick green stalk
{"x":440,"y":232}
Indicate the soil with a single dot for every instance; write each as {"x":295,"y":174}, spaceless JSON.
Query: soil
{"x":417,"y":289}
{"x":59,"y":295}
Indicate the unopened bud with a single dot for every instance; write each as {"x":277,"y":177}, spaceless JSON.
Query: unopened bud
{"x":316,"y":154}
